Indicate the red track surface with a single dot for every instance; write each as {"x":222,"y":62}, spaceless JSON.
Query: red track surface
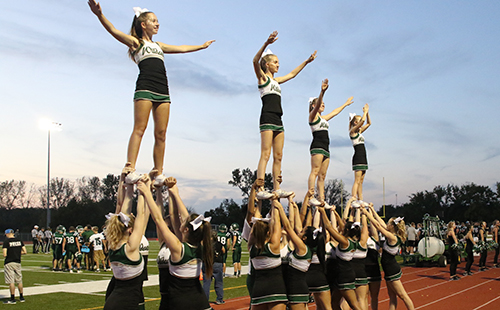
{"x":430,"y":288}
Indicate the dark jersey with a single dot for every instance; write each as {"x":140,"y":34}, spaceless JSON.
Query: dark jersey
{"x":14,"y":247}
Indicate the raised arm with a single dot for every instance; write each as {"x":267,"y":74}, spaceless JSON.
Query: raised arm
{"x":388,"y":235}
{"x":368,"y":121}
{"x":171,"y":240}
{"x":179,"y":49}
{"x":275,"y":227}
{"x":334,"y":113}
{"x":252,"y":210}
{"x":356,"y":127}
{"x":173,"y":191}
{"x":130,"y":41}
{"x":365,"y":234}
{"x":342,"y":240}
{"x":319,"y":101}
{"x":305,"y":205}
{"x":261,"y":75}
{"x":376,"y":216}
{"x":296,"y":71}
{"x":135,"y":237}
{"x":299,"y":244}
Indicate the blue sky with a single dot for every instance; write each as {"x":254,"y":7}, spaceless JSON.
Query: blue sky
{"x":428,"y":69}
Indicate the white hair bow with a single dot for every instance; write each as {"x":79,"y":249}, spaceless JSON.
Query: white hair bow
{"x":351,"y":116}
{"x":256,"y":219}
{"x":355,"y":224}
{"x":199,"y":220}
{"x":398,"y":219}
{"x":316,"y":232}
{"x":267,"y":52}
{"x":125,"y":219}
{"x":311,"y":100}
{"x":138,"y":11}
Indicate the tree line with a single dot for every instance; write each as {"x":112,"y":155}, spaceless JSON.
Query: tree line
{"x":86,"y":200}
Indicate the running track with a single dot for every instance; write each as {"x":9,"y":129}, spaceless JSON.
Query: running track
{"x":429,"y":288}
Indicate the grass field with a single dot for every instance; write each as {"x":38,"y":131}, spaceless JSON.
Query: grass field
{"x":38,"y":278}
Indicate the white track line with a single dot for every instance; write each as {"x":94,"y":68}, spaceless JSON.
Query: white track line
{"x":460,"y":292}
{"x":486,"y":303}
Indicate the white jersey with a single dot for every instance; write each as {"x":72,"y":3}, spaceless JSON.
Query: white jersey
{"x":358,"y":139}
{"x":97,"y":241}
{"x":148,"y":50}
{"x":319,"y":124}
{"x":144,"y":246}
{"x":271,"y":87}
{"x":163,"y":257}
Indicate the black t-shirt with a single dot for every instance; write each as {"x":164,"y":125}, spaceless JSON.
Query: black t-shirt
{"x":14,"y":247}
{"x":218,"y":255}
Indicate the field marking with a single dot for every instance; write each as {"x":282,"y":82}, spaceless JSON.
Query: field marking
{"x":459,"y":292}
{"x":486,"y":303}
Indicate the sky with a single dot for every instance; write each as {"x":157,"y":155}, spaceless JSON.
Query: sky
{"x":428,"y":69}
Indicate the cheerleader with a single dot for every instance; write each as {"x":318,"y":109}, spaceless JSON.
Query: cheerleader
{"x":359,"y":162}
{"x":319,"y":149}
{"x":372,"y":266}
{"x":187,"y":254}
{"x":268,"y":289}
{"x":469,"y":246}
{"x":151,"y":93}
{"x":299,"y":261}
{"x":484,"y":250}
{"x":123,"y":234}
{"x":344,"y":274}
{"x":452,"y":250}
{"x":394,"y":232}
{"x":271,"y":126}
{"x":496,"y":238}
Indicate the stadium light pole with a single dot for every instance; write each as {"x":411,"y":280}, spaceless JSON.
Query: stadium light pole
{"x":49,"y":126}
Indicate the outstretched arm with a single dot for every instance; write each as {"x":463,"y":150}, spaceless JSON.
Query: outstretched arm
{"x":252,"y":210}
{"x":178,"y":49}
{"x":376,"y":216}
{"x":296,"y":71}
{"x":126,"y":39}
{"x":305,"y":205}
{"x":275,"y":227}
{"x":388,"y":235}
{"x":319,"y":101}
{"x":261,"y":75}
{"x":334,"y":113}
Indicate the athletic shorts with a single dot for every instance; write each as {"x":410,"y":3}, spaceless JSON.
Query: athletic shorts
{"x":13,"y":273}
{"x":98,"y":255}
{"x":237,"y":255}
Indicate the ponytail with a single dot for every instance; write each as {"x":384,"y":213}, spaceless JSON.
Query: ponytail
{"x":202,"y":237}
{"x":400,"y":229}
{"x":115,"y":230}
{"x":136,"y":30}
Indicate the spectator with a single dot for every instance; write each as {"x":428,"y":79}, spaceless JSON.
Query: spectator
{"x":13,"y":248}
{"x":34,"y":237}
{"x":97,"y":240}
{"x":48,"y":240}
{"x":217,"y":275}
{"x":411,"y":231}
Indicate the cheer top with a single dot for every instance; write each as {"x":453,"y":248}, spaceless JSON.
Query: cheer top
{"x":392,"y":249}
{"x":360,"y":251}
{"x":190,"y":264}
{"x":152,"y":80}
{"x":348,"y":253}
{"x":320,"y":125}
{"x":270,"y":93}
{"x":301,"y":262}
{"x":163,"y":257}
{"x":264,"y":259}
{"x":123,"y":267}
{"x":144,"y":246}
{"x":358,"y":139}
{"x":330,"y":252}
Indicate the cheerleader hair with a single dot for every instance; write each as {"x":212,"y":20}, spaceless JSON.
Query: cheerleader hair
{"x":399,"y":228}
{"x":264,"y":60}
{"x":141,"y":16}
{"x":116,"y":230}
{"x":352,"y":231}
{"x":201,"y":236}
{"x":450,"y":226}
{"x":317,"y":242}
{"x":355,"y":119}
{"x":260,"y":232}
{"x":312,"y":102}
